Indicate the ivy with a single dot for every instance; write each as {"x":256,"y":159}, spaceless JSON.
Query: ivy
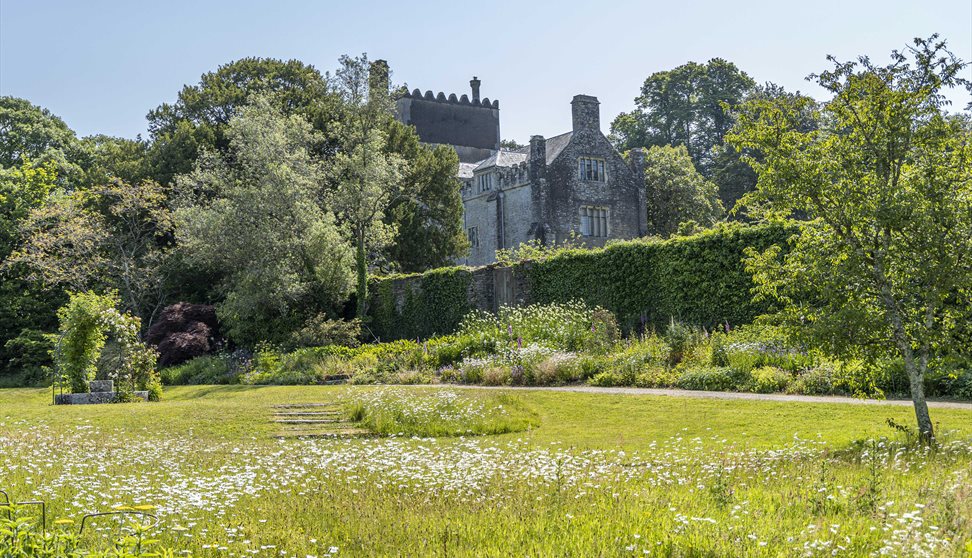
{"x":699,"y":279}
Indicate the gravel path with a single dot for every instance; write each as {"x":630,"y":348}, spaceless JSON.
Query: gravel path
{"x":966,"y":406}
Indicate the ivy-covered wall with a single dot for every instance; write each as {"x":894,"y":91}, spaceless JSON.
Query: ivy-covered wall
{"x":699,"y":280}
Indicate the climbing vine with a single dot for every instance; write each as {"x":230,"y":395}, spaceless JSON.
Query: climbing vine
{"x":87,"y":321}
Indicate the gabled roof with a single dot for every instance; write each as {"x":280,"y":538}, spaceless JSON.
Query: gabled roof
{"x":555,"y":146}
{"x":502,"y":159}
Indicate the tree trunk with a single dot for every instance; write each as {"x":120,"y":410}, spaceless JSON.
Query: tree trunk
{"x":362,"y":291}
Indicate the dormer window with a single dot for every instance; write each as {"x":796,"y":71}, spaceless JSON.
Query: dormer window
{"x":484,"y":182}
{"x":591,"y":169}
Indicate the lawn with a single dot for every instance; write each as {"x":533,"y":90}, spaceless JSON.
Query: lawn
{"x":574,"y":474}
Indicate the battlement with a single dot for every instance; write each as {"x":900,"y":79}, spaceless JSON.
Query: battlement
{"x":469,"y":124}
{"x":451,"y":99}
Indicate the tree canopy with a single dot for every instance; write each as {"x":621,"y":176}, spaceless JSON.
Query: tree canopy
{"x":884,"y":262}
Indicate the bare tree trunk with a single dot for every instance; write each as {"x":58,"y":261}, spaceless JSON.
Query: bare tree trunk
{"x":916,"y":379}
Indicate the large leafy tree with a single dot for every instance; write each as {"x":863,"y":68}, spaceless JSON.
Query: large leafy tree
{"x":253,"y":215}
{"x":691,"y":106}
{"x":31,"y":133}
{"x":103,"y":238}
{"x":367,"y":176}
{"x":26,"y":307}
{"x":677,"y":193}
{"x":428,"y":218}
{"x":200,"y":116}
{"x":883,"y":265}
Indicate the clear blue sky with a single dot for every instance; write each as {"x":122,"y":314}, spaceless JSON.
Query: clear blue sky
{"x":102,"y":65}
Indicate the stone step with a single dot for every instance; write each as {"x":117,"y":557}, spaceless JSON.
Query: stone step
{"x":308,"y":421}
{"x":345,"y":433}
{"x":307,"y":413}
{"x":302,"y":405}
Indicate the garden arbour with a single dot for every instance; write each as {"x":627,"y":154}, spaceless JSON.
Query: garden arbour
{"x":87,"y":322}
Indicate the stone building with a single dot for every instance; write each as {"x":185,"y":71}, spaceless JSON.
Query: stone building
{"x":573,"y":182}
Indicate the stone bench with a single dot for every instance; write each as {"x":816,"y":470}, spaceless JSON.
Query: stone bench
{"x":102,"y":391}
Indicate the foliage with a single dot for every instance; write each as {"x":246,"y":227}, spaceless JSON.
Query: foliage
{"x":535,"y":249}
{"x":108,"y":237}
{"x":883,"y":266}
{"x":206,"y":369}
{"x":254,"y":218}
{"x":697,"y":280}
{"x":86,"y":322}
{"x":676,"y":192}
{"x":427,"y":217}
{"x":320,"y":331}
{"x":690,"y":106}
{"x":29,"y":133}
{"x":368,"y":177}
{"x":199,"y":119}
{"x":434,"y":303}
{"x":395,"y":412}
{"x":572,"y":326}
{"x":82,"y":337}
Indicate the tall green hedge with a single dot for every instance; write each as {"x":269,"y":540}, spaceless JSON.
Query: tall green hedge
{"x":699,"y":279}
{"x":434,"y":304}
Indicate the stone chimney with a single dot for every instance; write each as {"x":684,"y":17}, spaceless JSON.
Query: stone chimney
{"x":378,"y":77}
{"x":537,"y":164}
{"x":586,"y":114}
{"x":474,"y":84}
{"x":636,"y":160}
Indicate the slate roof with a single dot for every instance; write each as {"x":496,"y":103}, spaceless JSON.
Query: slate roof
{"x":466,"y":169}
{"x":502,"y":159}
{"x":555,"y":145}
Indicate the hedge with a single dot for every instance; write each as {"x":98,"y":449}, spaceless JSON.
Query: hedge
{"x":434,"y":304}
{"x":698,"y":279}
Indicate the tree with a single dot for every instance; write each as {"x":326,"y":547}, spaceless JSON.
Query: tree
{"x":884,"y":263}
{"x":112,"y":157}
{"x":368,"y":178}
{"x":691,"y":106}
{"x":28,"y":132}
{"x":255,"y":216}
{"x":105,"y":238}
{"x":428,"y":216}
{"x":677,"y":193}
{"x":28,"y":307}
{"x":200,"y":116}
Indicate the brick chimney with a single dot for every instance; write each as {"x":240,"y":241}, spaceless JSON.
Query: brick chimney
{"x":474,"y":84}
{"x":586,"y":113}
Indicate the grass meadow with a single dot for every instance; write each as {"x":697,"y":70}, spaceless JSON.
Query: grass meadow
{"x":469,"y":472}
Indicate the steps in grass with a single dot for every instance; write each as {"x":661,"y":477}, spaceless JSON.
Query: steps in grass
{"x":313,"y":420}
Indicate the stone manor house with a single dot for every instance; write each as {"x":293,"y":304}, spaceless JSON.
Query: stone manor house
{"x":573,"y":182}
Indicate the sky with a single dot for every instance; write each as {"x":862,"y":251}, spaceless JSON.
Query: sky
{"x":102,"y":65}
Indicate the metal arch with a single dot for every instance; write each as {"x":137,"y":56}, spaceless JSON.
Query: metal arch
{"x":119,"y":512}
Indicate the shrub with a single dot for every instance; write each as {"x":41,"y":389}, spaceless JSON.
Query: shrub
{"x":571,"y":326}
{"x":656,"y":377}
{"x":712,"y":378}
{"x":818,"y":380}
{"x":769,"y":379}
{"x":682,"y":339}
{"x":207,"y":369}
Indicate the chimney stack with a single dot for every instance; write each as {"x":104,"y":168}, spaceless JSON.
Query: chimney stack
{"x":537,"y":163}
{"x":586,"y":113}
{"x":474,"y":84}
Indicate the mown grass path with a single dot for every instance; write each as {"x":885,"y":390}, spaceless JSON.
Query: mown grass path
{"x":964,"y":405}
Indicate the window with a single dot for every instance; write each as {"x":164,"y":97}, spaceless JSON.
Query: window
{"x":594,"y":221}
{"x":591,"y":169}
{"x":473,"y":234}
{"x":484,"y":182}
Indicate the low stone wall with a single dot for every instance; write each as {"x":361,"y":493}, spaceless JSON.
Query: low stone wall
{"x":93,"y":398}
